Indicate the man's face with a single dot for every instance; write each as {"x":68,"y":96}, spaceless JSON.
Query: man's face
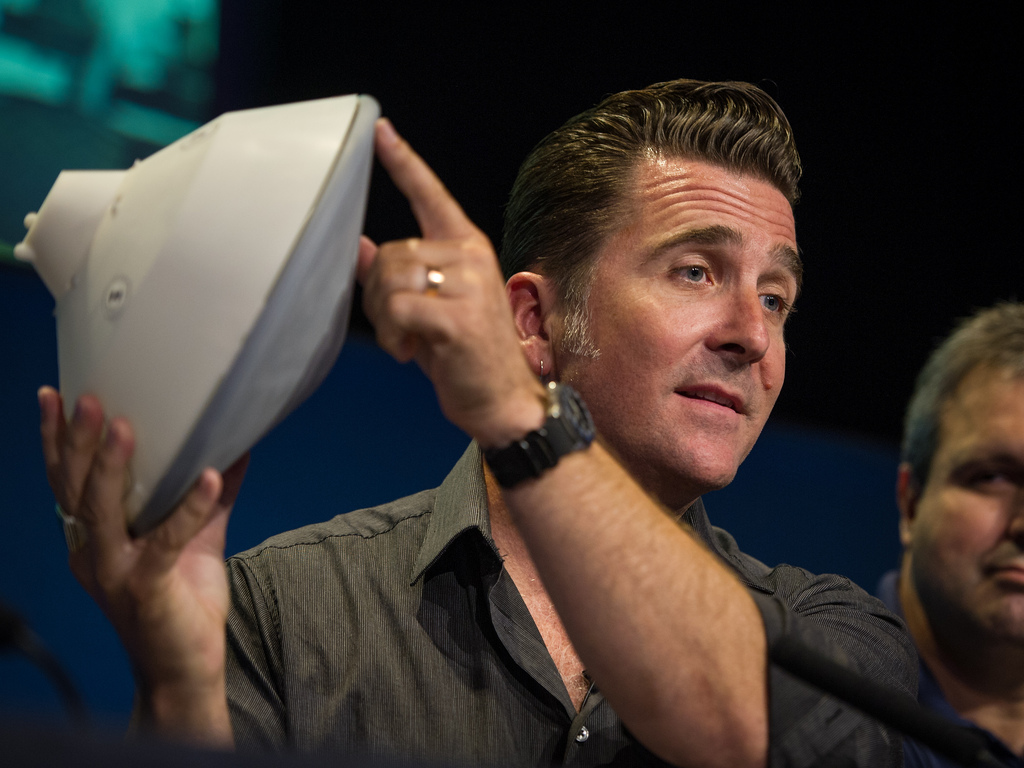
{"x":964,"y":533}
{"x":687,"y":306}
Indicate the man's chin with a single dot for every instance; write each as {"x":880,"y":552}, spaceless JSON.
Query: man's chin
{"x":684,"y":488}
{"x":678,"y":474}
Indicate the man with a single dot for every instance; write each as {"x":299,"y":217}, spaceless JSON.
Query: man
{"x":961,"y":496}
{"x":542,"y":605}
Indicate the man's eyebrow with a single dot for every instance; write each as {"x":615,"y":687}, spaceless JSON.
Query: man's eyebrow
{"x":791,"y":262}
{"x":716,"y":234}
{"x":719,"y":234}
{"x":1002,"y":457}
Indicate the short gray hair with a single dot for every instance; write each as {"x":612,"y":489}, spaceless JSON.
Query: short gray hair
{"x":992,"y":338}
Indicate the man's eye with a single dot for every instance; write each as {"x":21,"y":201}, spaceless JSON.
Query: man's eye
{"x":694,"y":274}
{"x":773,"y":303}
{"x":985,"y":478}
{"x":990,"y":479}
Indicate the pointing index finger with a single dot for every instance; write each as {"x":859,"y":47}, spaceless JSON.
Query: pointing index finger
{"x":438,"y":214}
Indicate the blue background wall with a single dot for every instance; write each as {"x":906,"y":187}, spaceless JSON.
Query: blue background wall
{"x":371,"y":433}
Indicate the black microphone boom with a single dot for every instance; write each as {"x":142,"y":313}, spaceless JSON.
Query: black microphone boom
{"x":16,"y":634}
{"x":885,"y":704}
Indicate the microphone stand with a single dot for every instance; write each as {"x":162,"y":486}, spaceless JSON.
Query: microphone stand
{"x":16,"y":634}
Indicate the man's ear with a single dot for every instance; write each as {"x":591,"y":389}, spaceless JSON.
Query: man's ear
{"x":531,"y":297}
{"x":908,"y":492}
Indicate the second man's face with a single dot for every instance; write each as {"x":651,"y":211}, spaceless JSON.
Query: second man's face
{"x":966,"y":533}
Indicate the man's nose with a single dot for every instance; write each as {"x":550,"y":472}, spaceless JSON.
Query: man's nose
{"x":742,"y":329}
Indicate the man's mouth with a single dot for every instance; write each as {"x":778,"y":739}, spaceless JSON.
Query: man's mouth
{"x":712,"y":396}
{"x":1014,"y":566}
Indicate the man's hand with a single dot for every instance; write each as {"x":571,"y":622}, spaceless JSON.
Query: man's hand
{"x":165,"y":593}
{"x":461,"y":333}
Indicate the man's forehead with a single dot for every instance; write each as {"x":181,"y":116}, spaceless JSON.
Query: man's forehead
{"x":988,"y":405}
{"x":672,"y":165}
{"x":660,"y":185}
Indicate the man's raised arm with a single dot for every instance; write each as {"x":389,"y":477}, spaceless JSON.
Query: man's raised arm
{"x":166,"y":592}
{"x":685,"y":668}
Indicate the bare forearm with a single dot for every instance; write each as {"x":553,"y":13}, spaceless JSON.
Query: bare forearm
{"x":164,"y":593}
{"x":195,"y":716}
{"x":673,"y":639}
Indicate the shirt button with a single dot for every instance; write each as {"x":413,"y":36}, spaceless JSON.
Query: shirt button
{"x":583,"y":735}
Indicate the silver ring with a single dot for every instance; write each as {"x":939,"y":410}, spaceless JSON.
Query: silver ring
{"x":435,"y":279}
{"x":75,"y":534}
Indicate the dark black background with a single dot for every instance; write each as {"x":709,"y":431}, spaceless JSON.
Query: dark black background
{"x":908,"y":124}
{"x":909,"y":129}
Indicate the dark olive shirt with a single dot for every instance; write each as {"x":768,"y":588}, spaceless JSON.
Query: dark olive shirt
{"x":396,"y":631}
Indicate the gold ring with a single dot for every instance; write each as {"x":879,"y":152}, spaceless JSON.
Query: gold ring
{"x":75,"y":534}
{"x":435,"y":279}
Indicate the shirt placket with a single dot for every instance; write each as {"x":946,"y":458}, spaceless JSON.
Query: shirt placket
{"x":519,"y":634}
{"x":578,"y":747}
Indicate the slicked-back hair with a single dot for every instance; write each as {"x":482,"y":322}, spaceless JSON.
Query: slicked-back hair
{"x":992,"y":339}
{"x":573,"y":190}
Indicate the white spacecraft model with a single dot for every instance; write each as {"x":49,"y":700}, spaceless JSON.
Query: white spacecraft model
{"x":205,"y":292}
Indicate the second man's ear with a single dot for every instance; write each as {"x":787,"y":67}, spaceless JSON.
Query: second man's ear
{"x":908,"y":492}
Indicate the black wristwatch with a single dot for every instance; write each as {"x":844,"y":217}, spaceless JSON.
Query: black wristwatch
{"x":568,"y":428}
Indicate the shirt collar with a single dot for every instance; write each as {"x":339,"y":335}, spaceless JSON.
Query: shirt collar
{"x":460,"y":505}
{"x":696,"y":517}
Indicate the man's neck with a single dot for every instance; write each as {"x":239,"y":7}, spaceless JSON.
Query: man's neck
{"x":520,"y":567}
{"x":510,"y":544}
{"x":983,"y":681}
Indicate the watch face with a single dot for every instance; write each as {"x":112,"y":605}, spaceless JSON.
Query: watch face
{"x":575,"y":412}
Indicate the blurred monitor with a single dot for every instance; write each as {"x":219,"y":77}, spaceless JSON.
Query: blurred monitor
{"x":95,"y":84}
